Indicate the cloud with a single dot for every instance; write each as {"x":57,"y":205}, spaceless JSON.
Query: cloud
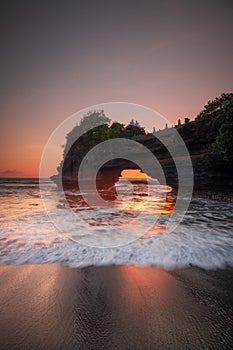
{"x":10,"y":173}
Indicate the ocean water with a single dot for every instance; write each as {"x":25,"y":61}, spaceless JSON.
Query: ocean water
{"x":69,"y":232}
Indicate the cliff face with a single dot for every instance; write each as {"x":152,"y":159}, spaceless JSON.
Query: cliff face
{"x":211,"y":172}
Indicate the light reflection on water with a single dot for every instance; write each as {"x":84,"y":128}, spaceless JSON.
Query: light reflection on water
{"x":130,"y":199}
{"x":204,"y":238}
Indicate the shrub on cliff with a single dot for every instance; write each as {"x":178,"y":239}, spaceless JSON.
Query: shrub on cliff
{"x":135,"y":129}
{"x":224,"y":141}
{"x":91,"y":120}
{"x":214,"y":106}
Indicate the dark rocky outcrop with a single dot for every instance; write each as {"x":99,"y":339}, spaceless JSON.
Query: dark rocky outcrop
{"x":212,"y":174}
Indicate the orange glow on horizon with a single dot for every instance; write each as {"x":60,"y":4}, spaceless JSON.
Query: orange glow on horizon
{"x":134,"y":174}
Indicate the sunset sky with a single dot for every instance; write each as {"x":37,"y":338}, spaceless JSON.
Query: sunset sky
{"x":58,"y":57}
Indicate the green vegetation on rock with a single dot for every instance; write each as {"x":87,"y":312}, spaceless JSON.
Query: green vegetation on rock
{"x":219,"y":113}
{"x":224,"y":141}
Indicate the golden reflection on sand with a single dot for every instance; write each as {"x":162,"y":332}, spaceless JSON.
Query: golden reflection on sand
{"x":150,"y":279}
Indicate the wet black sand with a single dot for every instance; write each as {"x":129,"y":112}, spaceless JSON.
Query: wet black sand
{"x":125,"y":307}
